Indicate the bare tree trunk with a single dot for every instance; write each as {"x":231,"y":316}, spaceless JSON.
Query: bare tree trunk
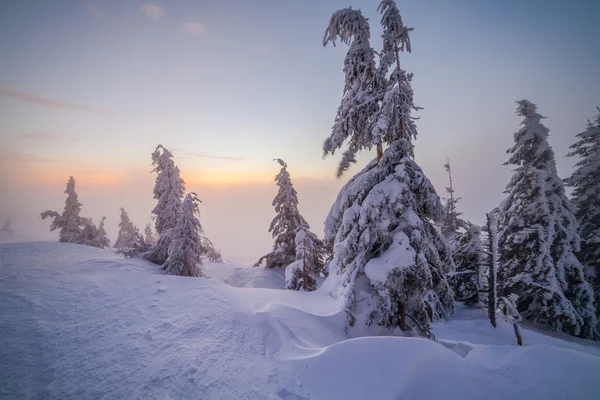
{"x":379,"y":152}
{"x":402,"y":312}
{"x":493,"y":247}
{"x":518,"y":334}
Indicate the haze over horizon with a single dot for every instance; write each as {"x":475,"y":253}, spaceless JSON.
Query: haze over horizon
{"x":90,"y":88}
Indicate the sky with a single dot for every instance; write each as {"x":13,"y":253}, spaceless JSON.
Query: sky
{"x":89,"y":89}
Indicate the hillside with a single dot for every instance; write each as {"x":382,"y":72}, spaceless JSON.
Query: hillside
{"x":79,"y":322}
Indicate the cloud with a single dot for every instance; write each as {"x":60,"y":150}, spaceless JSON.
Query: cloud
{"x":96,"y":11}
{"x":193,"y":28}
{"x":188,"y":154}
{"x":45,"y":102}
{"x":152,"y":11}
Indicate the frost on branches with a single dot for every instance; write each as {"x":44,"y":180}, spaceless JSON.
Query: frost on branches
{"x":129,"y":240}
{"x":69,"y":222}
{"x":538,"y":237}
{"x":389,"y":262}
{"x":92,"y":235}
{"x":585,"y":182}
{"x":286,"y":222}
{"x":470,"y":260}
{"x":168,"y":191}
{"x":299,"y":275}
{"x":186,"y":248}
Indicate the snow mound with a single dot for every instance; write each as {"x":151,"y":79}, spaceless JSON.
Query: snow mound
{"x":81,"y":322}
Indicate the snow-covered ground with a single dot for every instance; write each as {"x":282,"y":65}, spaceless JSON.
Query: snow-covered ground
{"x":78,"y":322}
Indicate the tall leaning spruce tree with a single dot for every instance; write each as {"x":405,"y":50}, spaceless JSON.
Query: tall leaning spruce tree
{"x":169,"y":189}
{"x":538,"y":237}
{"x":389,"y":261}
{"x":286,"y":223}
{"x":585,"y":182}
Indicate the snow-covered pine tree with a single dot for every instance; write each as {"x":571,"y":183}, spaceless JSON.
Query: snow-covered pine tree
{"x":538,"y":237}
{"x":286,"y":222}
{"x":585,"y":182}
{"x":129,"y":238}
{"x":149,"y":237}
{"x":452,"y":222}
{"x":470,"y":260}
{"x":185,"y":251}
{"x":168,"y":190}
{"x":309,"y":262}
{"x":389,"y":260}
{"x":101,"y":240}
{"x":69,"y":222}
{"x":362,"y":89}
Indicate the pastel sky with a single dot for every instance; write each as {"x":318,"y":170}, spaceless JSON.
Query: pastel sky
{"x":90,"y":88}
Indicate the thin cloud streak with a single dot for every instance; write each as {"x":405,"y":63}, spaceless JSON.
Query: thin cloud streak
{"x":45,"y":102}
{"x":193,"y":28}
{"x":152,"y":11}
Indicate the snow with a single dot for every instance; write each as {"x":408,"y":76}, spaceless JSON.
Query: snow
{"x":82,"y":322}
{"x":399,"y":255}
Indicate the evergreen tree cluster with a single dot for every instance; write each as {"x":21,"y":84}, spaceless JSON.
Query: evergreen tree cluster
{"x":72,"y":227}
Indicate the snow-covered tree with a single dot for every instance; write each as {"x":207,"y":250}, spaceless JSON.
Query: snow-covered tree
{"x":362,"y":89}
{"x":309,"y":262}
{"x":149,"y":237}
{"x":129,"y":238}
{"x":168,"y":191}
{"x":508,"y":311}
{"x":6,"y":226}
{"x":69,"y":222}
{"x":538,"y":237}
{"x":470,"y":260}
{"x":585,"y":182}
{"x":452,"y":222}
{"x":389,"y":260}
{"x":185,"y":251}
{"x":99,"y":237}
{"x":286,"y":222}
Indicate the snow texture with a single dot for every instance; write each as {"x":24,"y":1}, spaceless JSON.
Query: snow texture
{"x":80,"y":322}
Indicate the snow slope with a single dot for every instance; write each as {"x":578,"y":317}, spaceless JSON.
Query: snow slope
{"x":79,"y":322}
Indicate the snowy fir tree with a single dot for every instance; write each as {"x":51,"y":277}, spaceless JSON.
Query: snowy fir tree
{"x":299,"y":275}
{"x":362,"y":89}
{"x":129,"y":238}
{"x":538,"y":237}
{"x":69,"y":222}
{"x":389,"y":260}
{"x":452,"y":222}
{"x":149,"y":237}
{"x":470,"y":260}
{"x":91,"y":235}
{"x":101,"y":240}
{"x":168,"y":191}
{"x":286,"y":222}
{"x":186,"y":249}
{"x":585,"y":182}
{"x":6,"y":227}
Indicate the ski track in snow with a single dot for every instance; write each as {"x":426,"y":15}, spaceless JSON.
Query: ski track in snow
{"x":78,"y":322}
